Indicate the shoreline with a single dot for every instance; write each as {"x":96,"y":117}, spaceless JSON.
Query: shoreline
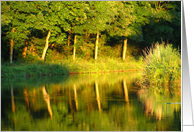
{"x":114,"y":71}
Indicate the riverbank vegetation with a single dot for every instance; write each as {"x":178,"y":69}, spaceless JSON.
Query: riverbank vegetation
{"x":43,"y":38}
{"x":79,"y":66}
{"x":29,"y":70}
{"x":162,"y":68}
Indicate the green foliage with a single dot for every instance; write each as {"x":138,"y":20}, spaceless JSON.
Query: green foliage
{"x":19,"y":17}
{"x":167,"y":27}
{"x":99,"y":16}
{"x":31,"y":21}
{"x":162,"y":67}
{"x":30,"y":58}
{"x":113,"y":20}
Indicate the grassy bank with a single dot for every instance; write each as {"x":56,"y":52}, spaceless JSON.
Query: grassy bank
{"x":102,"y":65}
{"x":35,"y":69}
{"x":162,"y":69}
{"x":77,"y":66}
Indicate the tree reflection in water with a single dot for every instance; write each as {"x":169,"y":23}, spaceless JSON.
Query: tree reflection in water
{"x":106,"y":102}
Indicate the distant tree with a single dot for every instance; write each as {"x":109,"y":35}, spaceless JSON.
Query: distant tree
{"x":76,"y":17}
{"x":51,"y":20}
{"x":60,"y":21}
{"x":125,"y":24}
{"x":99,"y":17}
{"x":164,"y":22}
{"x":61,"y":18}
{"x":17,"y":18}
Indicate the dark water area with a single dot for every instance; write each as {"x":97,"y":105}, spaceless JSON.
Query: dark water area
{"x":96,"y":102}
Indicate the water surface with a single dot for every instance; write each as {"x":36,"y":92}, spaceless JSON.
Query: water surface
{"x":98,"y":102}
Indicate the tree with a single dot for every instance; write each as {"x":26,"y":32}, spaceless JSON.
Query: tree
{"x":17,"y":20}
{"x":61,"y":18}
{"x":25,"y":17}
{"x":84,"y":22}
{"x":51,"y":21}
{"x":76,"y":18}
{"x":99,"y":17}
{"x":164,"y":22}
{"x":126,"y":24}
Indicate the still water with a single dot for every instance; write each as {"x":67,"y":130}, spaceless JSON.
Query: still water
{"x":98,"y":102}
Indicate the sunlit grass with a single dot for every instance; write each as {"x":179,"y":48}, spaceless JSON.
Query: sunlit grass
{"x":162,"y":67}
{"x":106,"y":64}
{"x":63,"y":66}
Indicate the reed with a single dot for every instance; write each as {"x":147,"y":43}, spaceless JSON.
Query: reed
{"x":162,"y":67}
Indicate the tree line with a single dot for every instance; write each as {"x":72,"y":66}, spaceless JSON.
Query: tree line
{"x":35,"y":26}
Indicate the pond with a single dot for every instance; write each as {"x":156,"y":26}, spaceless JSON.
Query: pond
{"x":93,"y":102}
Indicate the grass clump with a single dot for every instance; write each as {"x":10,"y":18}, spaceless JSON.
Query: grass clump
{"x":162,"y":68}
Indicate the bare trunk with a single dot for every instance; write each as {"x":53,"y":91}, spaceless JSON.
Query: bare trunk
{"x":11,"y":48}
{"x":96,"y":46}
{"x":74,"y":48}
{"x":25,"y":49}
{"x":124,"y":48}
{"x":46,"y":45}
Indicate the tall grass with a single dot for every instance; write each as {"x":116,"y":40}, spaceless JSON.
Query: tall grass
{"x":162,"y":68}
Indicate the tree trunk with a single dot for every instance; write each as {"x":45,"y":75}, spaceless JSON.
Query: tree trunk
{"x":96,"y":46}
{"x":25,"y":49}
{"x":46,"y":45}
{"x":69,"y":38}
{"x":11,"y":48}
{"x":74,"y":48}
{"x":124,"y":48}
